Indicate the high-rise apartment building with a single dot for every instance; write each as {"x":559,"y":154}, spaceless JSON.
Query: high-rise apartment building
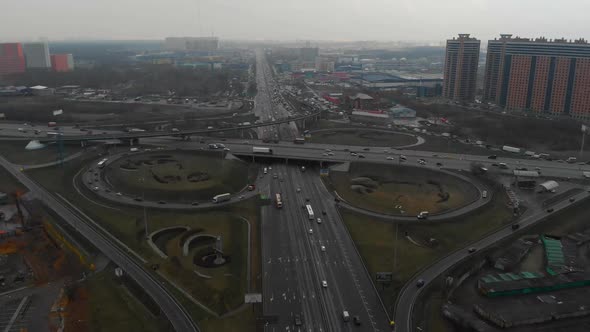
{"x":62,"y":62}
{"x":199,"y":44}
{"x":460,"y":72}
{"x":308,"y":54}
{"x":37,"y":55}
{"x":12,"y":59}
{"x":540,"y":75}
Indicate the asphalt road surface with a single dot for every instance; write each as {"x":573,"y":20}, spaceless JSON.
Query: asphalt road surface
{"x":264,"y":107}
{"x":294,"y":263}
{"x":179,"y":318}
{"x":311,"y":151}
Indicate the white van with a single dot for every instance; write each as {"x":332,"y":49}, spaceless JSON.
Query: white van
{"x":345,"y":316}
{"x":484,"y":194}
{"x":265,"y":170}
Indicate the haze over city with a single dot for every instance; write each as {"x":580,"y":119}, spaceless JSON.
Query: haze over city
{"x":419,"y":20}
{"x":294,"y":166}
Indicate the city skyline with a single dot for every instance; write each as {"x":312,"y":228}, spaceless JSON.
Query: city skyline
{"x":422,"y":21}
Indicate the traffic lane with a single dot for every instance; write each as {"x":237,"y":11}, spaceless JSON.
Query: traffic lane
{"x":365,"y":301}
{"x":410,"y":292}
{"x":323,"y":317}
{"x":281,"y":281}
{"x":339,"y":276}
{"x":331,"y":321}
{"x":180,"y":320}
{"x":297,"y":259}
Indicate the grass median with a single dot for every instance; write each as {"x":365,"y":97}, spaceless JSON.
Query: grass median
{"x":418,"y":244}
{"x":221,"y":294}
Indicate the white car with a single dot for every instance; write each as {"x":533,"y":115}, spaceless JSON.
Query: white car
{"x":310,"y":231}
{"x":389,"y":158}
{"x":323,"y":248}
{"x":324,"y":284}
{"x":319,"y":220}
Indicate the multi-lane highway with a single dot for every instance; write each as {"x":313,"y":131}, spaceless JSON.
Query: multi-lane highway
{"x":265,"y":105}
{"x":179,"y":318}
{"x":300,"y":253}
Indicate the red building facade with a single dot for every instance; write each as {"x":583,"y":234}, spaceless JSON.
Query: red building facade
{"x":12,"y":59}
{"x":539,"y":75}
{"x":61,"y":62}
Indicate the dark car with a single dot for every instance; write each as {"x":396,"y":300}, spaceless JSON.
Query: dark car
{"x":471,"y":250}
{"x":420,"y":283}
{"x":297,"y":320}
{"x":550,"y":210}
{"x":161,"y":202}
{"x":366,"y":149}
{"x":493,"y":157}
{"x":337,"y":200}
{"x":324,"y":213}
{"x":138,"y":199}
{"x":195,"y":203}
{"x":515,"y":226}
{"x":439,"y":164}
{"x":356,"y":320}
{"x":573,"y":199}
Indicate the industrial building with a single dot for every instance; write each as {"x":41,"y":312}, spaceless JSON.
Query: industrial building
{"x":527,"y":283}
{"x":12,"y":58}
{"x":540,"y":75}
{"x":37,"y":55}
{"x":197,"y":44}
{"x":62,"y":62}
{"x":460,"y":71}
{"x":384,"y":81}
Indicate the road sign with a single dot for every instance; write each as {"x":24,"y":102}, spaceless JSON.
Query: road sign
{"x":253,"y":298}
{"x":383,"y":276}
{"x":324,"y":172}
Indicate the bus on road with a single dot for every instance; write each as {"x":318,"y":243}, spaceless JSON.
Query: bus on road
{"x":221,"y":198}
{"x":278,"y":201}
{"x":309,"y":212}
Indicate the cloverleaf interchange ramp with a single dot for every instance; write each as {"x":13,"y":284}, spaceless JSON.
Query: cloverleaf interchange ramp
{"x":176,"y":314}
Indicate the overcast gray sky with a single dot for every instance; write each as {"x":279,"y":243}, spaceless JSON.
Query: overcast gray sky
{"x":430,"y":20}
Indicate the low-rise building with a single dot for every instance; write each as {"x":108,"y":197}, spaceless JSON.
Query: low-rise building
{"x":374,"y":117}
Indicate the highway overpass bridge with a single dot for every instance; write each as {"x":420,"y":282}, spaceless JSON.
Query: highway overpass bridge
{"x":133,"y":137}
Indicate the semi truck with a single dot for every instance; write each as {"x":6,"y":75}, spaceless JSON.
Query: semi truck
{"x":510,"y":149}
{"x":221,"y":198}
{"x":261,"y":150}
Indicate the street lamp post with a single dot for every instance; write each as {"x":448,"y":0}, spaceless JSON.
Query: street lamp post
{"x":145,"y":222}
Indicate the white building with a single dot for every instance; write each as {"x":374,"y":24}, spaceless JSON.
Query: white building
{"x":37,"y":55}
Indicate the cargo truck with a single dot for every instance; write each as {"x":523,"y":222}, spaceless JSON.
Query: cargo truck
{"x":261,"y":150}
